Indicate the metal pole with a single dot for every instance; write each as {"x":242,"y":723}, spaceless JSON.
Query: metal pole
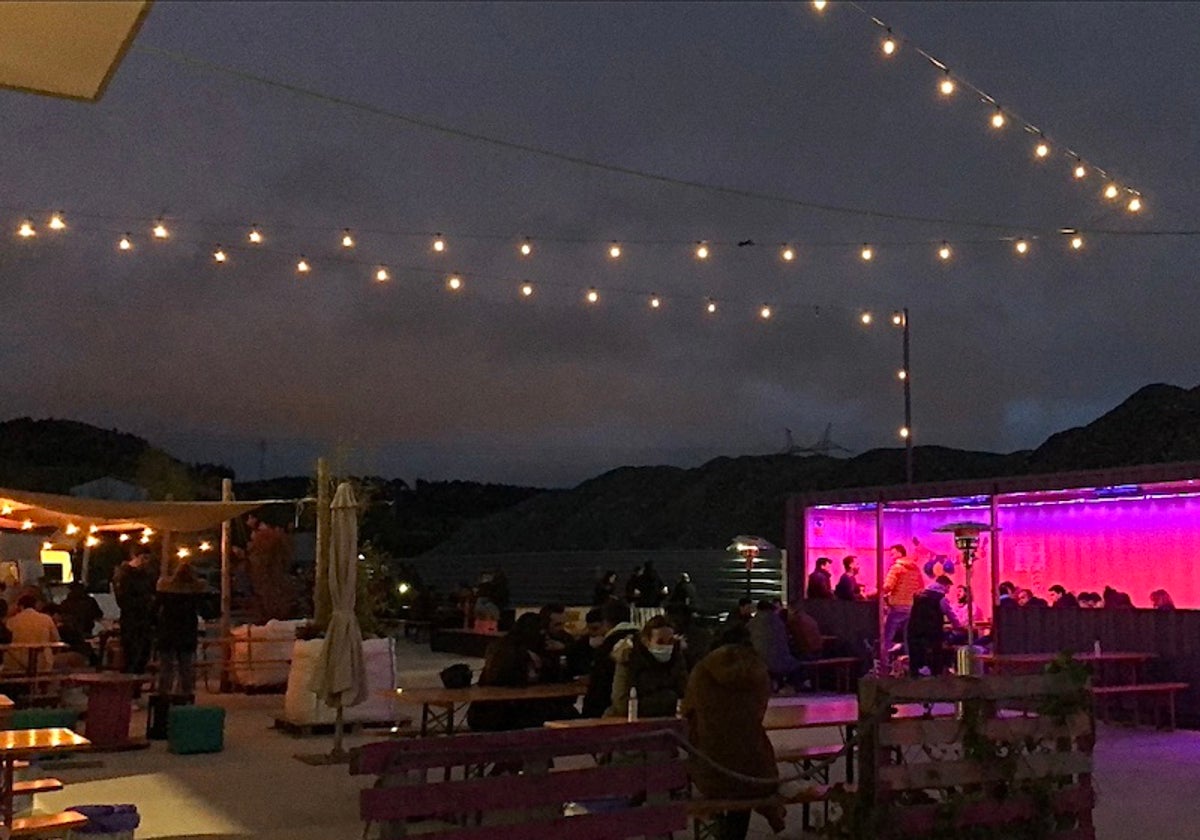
{"x":908,"y":438}
{"x":881,"y":608}
{"x":321,"y":603}
{"x":226,"y":590}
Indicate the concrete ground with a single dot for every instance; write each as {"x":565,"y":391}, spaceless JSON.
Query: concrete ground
{"x":1145,"y":780}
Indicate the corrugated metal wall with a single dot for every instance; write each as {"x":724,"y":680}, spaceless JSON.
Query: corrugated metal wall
{"x":568,"y":577}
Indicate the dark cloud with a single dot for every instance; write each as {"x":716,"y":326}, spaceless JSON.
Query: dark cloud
{"x":408,"y":379}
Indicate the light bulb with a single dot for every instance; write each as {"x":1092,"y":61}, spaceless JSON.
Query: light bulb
{"x":123,"y":538}
{"x":381,"y":274}
{"x":439,"y":244}
{"x":347,"y":239}
{"x":205,"y":546}
{"x":902,"y":374}
{"x":47,"y":545}
{"x":1135,"y":205}
{"x":92,"y":529}
{"x":947,"y":86}
{"x":147,"y":532}
{"x":72,"y":529}
{"x":944,"y":252}
{"x":904,"y":432}
{"x":454,"y":283}
{"x":57,"y":223}
{"x":26,"y":230}
{"x":6,"y":509}
{"x":91,"y":542}
{"x":1111,"y":191}
{"x":819,"y":5}
{"x":889,"y":45}
{"x":711,"y":306}
{"x":1080,"y":171}
{"x":160,"y":230}
{"x":593,"y":296}
{"x":614,"y":251}
{"x":126,"y":244}
{"x":655,"y":303}
{"x":1077,"y":242}
{"x":867,"y":253}
{"x":998,"y":119}
{"x":787,"y":253}
{"x":182,"y":552}
{"x":219,"y":255}
{"x":897,"y":319}
{"x":526,"y":247}
{"x":303,"y":267}
{"x":866,"y":318}
{"x":144,"y":540}
{"x":527,"y":289}
{"x":27,"y":525}
{"x":1021,"y":246}
{"x":1041,"y":150}
{"x":701,"y":250}
{"x":255,"y":236}
{"x":765,"y":312}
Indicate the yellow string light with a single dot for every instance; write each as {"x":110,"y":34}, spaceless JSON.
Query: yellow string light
{"x":160,"y":230}
{"x":126,"y":244}
{"x":147,"y":532}
{"x":788,"y":253}
{"x":1041,"y":150}
{"x":255,"y":236}
{"x":526,"y":247}
{"x":527,"y":289}
{"x":439,"y":244}
{"x":867,"y":253}
{"x":711,"y":307}
{"x":302,"y":266}
{"x":889,"y":44}
{"x":6,"y":510}
{"x":381,"y":274}
{"x":944,"y":252}
{"x":26,"y":230}
{"x":219,"y":255}
{"x":866,"y":318}
{"x":1077,"y":242}
{"x":904,"y":432}
{"x":93,"y":529}
{"x":998,"y":119}
{"x":1080,"y":171}
{"x":183,"y":552}
{"x":1021,"y":247}
{"x":902,"y":374}
{"x":614,"y":250}
{"x":820,"y":5}
{"x":765,"y":312}
{"x":701,"y":250}
{"x":57,"y":222}
{"x":72,"y":529}
{"x":347,"y":239}
{"x":205,"y":546}
{"x":27,"y":525}
{"x":1135,"y":205}
{"x":593,"y":296}
{"x":123,"y":538}
{"x":454,"y":283}
{"x":1111,"y":191}
{"x":946,"y":87}
{"x":897,"y":319}
{"x":92,"y":542}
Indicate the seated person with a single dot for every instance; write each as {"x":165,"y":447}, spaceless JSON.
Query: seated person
{"x":1160,"y":599}
{"x":512,"y":661}
{"x":581,"y":652}
{"x":926,"y":628}
{"x":1026,"y":598}
{"x":28,"y":626}
{"x":653,"y":664}
{"x":1089,"y":600}
{"x":1061,"y":598}
{"x":804,"y":634}
{"x":769,"y":637}
{"x":615,"y":626}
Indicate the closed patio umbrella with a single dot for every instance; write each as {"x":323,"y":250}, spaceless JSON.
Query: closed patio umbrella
{"x":340,"y":678}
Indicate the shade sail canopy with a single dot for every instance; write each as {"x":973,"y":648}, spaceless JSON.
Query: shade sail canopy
{"x":67,"y":49}
{"x":21,"y":509}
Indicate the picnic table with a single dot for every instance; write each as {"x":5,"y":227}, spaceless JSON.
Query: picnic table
{"x":1127,"y":664}
{"x":109,"y":696}
{"x":440,"y":705}
{"x":17,"y":744}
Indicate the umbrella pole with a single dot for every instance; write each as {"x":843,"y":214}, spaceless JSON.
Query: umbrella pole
{"x":338,"y":753}
{"x":322,"y":606}
{"x":226,"y":591}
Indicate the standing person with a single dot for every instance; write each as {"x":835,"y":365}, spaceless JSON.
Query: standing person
{"x":633,"y":586}
{"x":768,"y":634}
{"x":653,"y":664}
{"x":724,"y":704}
{"x":931,"y":611}
{"x":177,"y":632}
{"x":820,"y":581}
{"x":650,"y":593}
{"x":901,"y":585}
{"x":133,"y":586}
{"x":848,"y":587}
{"x":616,"y":626}
{"x":683,"y":596}
{"x":605,"y":589}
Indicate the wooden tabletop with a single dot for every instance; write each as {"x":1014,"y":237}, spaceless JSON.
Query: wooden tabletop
{"x":33,"y":646}
{"x":15,"y":743}
{"x":104,"y":678}
{"x":6,"y":703}
{"x":451,"y":696}
{"x":1046,"y":658}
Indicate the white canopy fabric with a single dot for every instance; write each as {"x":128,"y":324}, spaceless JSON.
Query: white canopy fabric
{"x":23,"y":510}
{"x":340,"y":677}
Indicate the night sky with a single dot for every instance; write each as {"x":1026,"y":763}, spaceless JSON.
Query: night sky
{"x":407,"y":379}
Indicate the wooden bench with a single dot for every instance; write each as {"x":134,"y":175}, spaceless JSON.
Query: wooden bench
{"x":47,"y":824}
{"x":1163,"y":694}
{"x":816,"y":761}
{"x":32,"y":786}
{"x":842,"y":667}
{"x":491,"y":801}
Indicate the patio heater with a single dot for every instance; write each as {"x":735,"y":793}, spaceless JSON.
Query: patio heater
{"x":749,"y":548}
{"x":966,"y":540}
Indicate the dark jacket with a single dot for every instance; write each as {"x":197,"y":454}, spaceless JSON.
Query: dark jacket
{"x":179,"y":604}
{"x":820,"y":585}
{"x":847,"y":588}
{"x":660,"y":685}
{"x":134,"y":591}
{"x":507,"y":663}
{"x":599,"y":690}
{"x":651,"y":586}
{"x":79,"y":613}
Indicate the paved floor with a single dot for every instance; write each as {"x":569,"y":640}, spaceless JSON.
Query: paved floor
{"x":1146,"y":781}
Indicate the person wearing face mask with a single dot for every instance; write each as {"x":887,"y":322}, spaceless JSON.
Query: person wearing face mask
{"x":653,"y":664}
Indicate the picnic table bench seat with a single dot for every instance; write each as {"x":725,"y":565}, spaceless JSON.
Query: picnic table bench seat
{"x":1163,"y":694}
{"x":42,"y":825}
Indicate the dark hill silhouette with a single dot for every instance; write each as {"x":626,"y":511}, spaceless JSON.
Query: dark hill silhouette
{"x":671,"y":508}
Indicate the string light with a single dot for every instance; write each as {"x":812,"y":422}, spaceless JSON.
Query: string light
{"x":1077,"y":242}
{"x":302,"y":266}
{"x":701,"y":250}
{"x":57,"y":222}
{"x":765,"y":312}
{"x":527,"y":289}
{"x":1041,"y":150}
{"x":454,"y":283}
{"x":866,"y":318}
{"x":998,"y":119}
{"x":819,"y":5}
{"x":655,"y":303}
{"x":867,"y":253}
{"x":1080,"y":170}
{"x":26,"y":230}
{"x":902,"y":374}
{"x":787,"y":253}
{"x":889,"y":44}
{"x":183,"y":552}
{"x":1135,"y":205}
{"x":92,"y":542}
{"x":144,"y":540}
{"x":6,"y":510}
{"x":47,"y":545}
{"x":126,"y":244}
{"x":123,"y":538}
{"x":160,"y":230}
{"x":946,"y":88}
{"x":614,"y":251}
{"x":205,"y":546}
{"x":439,"y":244}
{"x":897,"y":319}
{"x":347,"y":239}
{"x":27,"y":525}
{"x":593,"y":296}
{"x":1021,"y":247}
{"x":147,"y":532}
{"x":92,"y":529}
{"x":219,"y":255}
{"x":72,"y":529}
{"x":904,"y":432}
{"x":944,"y":251}
{"x":1111,"y":191}
{"x":255,"y":236}
{"x":711,"y":307}
{"x":526,"y":247}
{"x":381,"y":274}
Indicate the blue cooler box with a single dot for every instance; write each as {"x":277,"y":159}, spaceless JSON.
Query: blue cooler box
{"x":195,"y":729}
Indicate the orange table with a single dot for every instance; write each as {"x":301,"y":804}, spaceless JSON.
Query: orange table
{"x":448,"y":700}
{"x":110,"y":696}
{"x":25,"y":743}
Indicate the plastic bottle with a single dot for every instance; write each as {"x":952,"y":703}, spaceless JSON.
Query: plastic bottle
{"x":1096,"y":647}
{"x":632,"y":715}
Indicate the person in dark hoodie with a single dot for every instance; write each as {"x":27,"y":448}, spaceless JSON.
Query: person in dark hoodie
{"x":177,"y":632}
{"x":512,"y":661}
{"x":723,"y":706}
{"x":615,"y":626}
{"x":651,"y":662}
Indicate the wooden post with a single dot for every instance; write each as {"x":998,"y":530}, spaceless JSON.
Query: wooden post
{"x":322,"y":607}
{"x":226,"y":590}
{"x":164,"y":563}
